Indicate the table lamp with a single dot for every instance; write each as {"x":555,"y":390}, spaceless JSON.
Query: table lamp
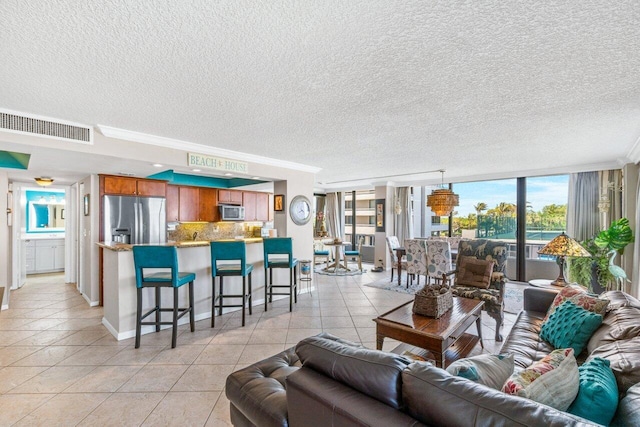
{"x":562,"y":246}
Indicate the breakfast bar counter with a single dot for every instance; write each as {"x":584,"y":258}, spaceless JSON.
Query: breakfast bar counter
{"x":119,"y":283}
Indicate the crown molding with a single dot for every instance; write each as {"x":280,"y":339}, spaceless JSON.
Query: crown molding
{"x":634,"y":153}
{"x":160,"y":141}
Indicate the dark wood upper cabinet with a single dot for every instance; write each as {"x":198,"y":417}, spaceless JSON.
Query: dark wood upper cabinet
{"x":208,"y":205}
{"x":189,"y":203}
{"x":230,"y":197}
{"x":262,"y":206}
{"x":249,"y":203}
{"x":173,"y":203}
{"x":127,"y":186}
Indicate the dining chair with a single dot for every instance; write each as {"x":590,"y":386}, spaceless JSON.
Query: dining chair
{"x":278,"y":253}
{"x":355,"y":254}
{"x":416,"y":259}
{"x":392,"y":244}
{"x":233,"y":258}
{"x":438,"y":259}
{"x":165,"y":259}
{"x":320,"y":253}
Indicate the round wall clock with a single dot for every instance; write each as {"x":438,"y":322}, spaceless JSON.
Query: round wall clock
{"x":300,"y":210}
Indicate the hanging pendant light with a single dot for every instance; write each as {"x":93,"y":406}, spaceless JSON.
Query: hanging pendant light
{"x":442,"y":200}
{"x":43,"y":181}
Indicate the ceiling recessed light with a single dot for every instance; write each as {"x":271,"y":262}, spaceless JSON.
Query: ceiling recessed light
{"x":255,"y":177}
{"x":157,"y":165}
{"x":195,"y":170}
{"x":228,"y":174}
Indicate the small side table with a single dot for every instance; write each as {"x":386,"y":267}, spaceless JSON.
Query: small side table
{"x":544,"y":283}
{"x":305,"y":273}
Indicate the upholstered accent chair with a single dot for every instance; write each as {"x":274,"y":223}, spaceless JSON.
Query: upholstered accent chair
{"x":392,"y":244}
{"x":493,"y":296}
{"x":438,"y":259}
{"x":416,"y":256}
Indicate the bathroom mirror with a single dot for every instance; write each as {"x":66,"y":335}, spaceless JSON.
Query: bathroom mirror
{"x":45,"y":217}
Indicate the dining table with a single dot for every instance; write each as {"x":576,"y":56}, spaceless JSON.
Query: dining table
{"x":337,"y":248}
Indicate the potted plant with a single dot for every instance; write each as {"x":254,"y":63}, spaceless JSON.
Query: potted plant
{"x":598,"y":271}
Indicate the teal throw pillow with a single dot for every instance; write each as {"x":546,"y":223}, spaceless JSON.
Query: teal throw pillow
{"x":597,"y":398}
{"x":491,"y":370}
{"x":570,"y":326}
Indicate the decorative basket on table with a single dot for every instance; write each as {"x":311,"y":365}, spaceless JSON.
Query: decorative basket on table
{"x":433,"y":301}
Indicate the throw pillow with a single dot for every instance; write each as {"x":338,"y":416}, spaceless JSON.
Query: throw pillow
{"x":552,"y":381}
{"x":570,"y":326}
{"x":491,"y":370}
{"x":577,"y":295}
{"x":597,"y":398}
{"x":474,"y":272}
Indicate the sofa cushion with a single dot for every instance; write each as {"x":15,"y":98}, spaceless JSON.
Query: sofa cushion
{"x":373,"y":372}
{"x":257,"y":392}
{"x":620,"y":299}
{"x":597,"y":398}
{"x":624,"y":357}
{"x":620,"y":323}
{"x":553,"y":381}
{"x":524,"y":340}
{"x":570,"y":326}
{"x":437,"y":398}
{"x":491,"y":370}
{"x":628,"y":413}
{"x":580,"y":297}
{"x":474,"y":272}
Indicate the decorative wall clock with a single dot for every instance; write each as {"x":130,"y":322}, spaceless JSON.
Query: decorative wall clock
{"x":300,"y":210}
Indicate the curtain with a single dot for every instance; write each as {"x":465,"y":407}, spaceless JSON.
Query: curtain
{"x":635,"y":276}
{"x":335,"y":215}
{"x":583,"y":220}
{"x":320,"y":219}
{"x":403,"y":214}
{"x":610,"y":197}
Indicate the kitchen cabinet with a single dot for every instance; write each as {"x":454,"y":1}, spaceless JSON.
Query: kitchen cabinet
{"x":231,"y":197}
{"x":44,"y":256}
{"x":173,"y":203}
{"x":124,"y":185}
{"x":208,"y":205}
{"x":186,"y":203}
{"x":256,"y":206}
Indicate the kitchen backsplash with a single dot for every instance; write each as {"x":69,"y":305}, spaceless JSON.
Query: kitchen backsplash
{"x":212,"y":231}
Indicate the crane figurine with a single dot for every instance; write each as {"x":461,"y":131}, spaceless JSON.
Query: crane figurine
{"x":618,"y":273}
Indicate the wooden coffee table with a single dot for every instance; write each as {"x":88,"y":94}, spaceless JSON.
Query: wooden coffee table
{"x":434,"y":335}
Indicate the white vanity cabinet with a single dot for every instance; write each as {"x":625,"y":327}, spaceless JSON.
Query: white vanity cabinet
{"x":44,"y":255}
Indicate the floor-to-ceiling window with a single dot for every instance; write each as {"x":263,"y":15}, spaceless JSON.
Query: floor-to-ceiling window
{"x":363,"y":223}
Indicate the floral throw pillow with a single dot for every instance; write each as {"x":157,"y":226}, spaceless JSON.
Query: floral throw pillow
{"x":553,"y":381}
{"x":577,"y":295}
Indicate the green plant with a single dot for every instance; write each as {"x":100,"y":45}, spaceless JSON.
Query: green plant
{"x":615,"y":238}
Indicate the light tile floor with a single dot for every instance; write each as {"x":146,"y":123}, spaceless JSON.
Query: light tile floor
{"x":60,"y":366}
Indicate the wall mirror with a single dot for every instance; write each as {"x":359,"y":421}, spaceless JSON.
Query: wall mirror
{"x":45,"y":213}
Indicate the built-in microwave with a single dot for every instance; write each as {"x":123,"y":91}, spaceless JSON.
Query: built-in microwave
{"x":231,"y":213}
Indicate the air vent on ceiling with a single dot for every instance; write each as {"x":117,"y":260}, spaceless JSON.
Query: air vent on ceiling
{"x":20,"y":123}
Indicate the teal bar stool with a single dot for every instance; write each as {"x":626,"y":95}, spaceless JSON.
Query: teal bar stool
{"x":164,"y":258}
{"x":278,"y":253}
{"x":226,"y":252}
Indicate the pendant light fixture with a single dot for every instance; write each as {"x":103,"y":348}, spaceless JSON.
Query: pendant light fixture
{"x":442,"y":200}
{"x":44,"y":181}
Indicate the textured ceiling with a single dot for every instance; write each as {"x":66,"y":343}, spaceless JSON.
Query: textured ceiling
{"x":362,"y":89}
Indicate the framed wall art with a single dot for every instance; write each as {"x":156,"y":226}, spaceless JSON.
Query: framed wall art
{"x":380,"y":206}
{"x":278,"y":202}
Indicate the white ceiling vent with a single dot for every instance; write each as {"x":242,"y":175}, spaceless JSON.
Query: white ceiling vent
{"x":15,"y":122}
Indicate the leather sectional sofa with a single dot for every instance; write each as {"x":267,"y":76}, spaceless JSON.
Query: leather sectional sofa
{"x":326,"y":381}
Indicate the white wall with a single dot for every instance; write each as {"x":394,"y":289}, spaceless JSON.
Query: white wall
{"x":5,"y":240}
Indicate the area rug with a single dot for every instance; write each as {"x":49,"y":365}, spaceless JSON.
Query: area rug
{"x":341,"y":272}
{"x":513,"y":293}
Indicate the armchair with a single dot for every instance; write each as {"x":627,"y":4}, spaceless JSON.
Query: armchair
{"x":493,"y":296}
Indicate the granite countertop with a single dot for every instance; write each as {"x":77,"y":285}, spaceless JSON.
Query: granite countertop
{"x":122,"y":247}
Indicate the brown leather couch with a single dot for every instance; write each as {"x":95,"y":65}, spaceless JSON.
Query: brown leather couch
{"x":326,"y":381}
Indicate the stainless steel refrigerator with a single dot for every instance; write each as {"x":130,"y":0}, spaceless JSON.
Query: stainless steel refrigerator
{"x":135,"y":220}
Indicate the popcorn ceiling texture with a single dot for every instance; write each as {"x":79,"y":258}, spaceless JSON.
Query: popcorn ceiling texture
{"x":359,"y":88}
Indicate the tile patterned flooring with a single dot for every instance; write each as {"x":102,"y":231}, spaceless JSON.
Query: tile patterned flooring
{"x":60,"y":366}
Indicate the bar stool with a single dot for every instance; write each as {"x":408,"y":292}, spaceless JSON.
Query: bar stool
{"x":279,"y":246}
{"x":161,"y":257}
{"x":230,"y":251}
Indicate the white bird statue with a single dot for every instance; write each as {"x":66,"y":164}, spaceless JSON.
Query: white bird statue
{"x":618,"y":273}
